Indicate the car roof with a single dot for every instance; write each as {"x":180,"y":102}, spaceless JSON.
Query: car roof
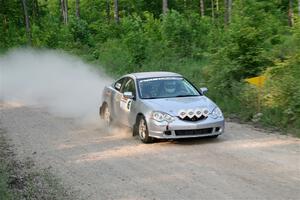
{"x":142,"y":75}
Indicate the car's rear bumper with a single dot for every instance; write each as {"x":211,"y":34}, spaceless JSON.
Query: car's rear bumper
{"x":186,"y":129}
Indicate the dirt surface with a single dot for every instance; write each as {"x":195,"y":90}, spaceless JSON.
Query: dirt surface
{"x":22,"y":180}
{"x":244,"y":163}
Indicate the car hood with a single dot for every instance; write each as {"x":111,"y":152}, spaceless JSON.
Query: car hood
{"x":173,"y":105}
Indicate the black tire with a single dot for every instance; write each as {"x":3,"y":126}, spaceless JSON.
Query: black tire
{"x":101,"y":112}
{"x":135,"y":130}
{"x":105,"y":115}
{"x":142,"y":130}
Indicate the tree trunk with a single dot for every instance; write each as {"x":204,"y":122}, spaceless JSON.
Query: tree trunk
{"x":227,"y":14}
{"x":64,"y":11}
{"x":202,"y":8}
{"x":108,"y":10}
{"x":229,"y":10}
{"x":116,"y":14}
{"x":299,"y":7}
{"x":165,"y":6}
{"x":291,"y":14}
{"x":217,"y":5}
{"x":5,"y":23}
{"x":212,"y":10}
{"x":60,"y":10}
{"x":27,"y":22}
{"x":77,"y":5}
{"x":35,"y":11}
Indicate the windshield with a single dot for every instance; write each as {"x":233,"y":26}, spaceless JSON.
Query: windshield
{"x":166,"y":87}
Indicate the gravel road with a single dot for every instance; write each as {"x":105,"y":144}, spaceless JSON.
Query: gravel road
{"x":244,"y":163}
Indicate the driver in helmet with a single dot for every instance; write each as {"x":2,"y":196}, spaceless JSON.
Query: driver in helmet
{"x":170,"y":87}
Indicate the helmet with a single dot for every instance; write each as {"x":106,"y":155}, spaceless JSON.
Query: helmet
{"x":170,"y":86}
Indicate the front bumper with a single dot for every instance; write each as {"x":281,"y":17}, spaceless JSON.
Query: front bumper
{"x":186,"y":129}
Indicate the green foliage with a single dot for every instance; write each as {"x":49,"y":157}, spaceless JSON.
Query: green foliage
{"x":115,"y":56}
{"x":202,"y":39}
{"x":284,"y":91}
{"x":134,"y":39}
{"x":79,"y":30}
{"x":282,"y":96}
{"x":11,"y":30}
{"x":177,"y":33}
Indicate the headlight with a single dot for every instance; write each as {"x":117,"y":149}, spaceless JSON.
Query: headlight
{"x":216,"y":113}
{"x":161,"y":116}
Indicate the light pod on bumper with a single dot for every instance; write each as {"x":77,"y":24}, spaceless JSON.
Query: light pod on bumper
{"x":182,"y":114}
{"x":198,"y":112}
{"x":190,"y":113}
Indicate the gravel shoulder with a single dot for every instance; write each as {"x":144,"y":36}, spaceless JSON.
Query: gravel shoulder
{"x":23,"y":180}
{"x":244,"y":163}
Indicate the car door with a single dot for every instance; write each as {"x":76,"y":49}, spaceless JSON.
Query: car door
{"x":127,"y":106}
{"x":116,"y":97}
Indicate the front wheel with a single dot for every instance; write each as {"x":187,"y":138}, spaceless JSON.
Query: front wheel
{"x":142,"y":129}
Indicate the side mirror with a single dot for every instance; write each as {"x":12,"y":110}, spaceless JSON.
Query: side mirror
{"x":128,"y":95}
{"x":203,"y":90}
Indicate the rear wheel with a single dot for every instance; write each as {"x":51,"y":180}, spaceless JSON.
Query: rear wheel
{"x":106,"y":115}
{"x":142,"y":130}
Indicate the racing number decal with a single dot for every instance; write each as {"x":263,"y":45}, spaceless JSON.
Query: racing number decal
{"x":125,"y":104}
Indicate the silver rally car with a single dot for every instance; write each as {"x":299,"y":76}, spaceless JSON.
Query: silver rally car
{"x":161,"y":105}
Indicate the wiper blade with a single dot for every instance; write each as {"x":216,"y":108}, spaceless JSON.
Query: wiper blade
{"x":190,"y":95}
{"x":152,"y":98}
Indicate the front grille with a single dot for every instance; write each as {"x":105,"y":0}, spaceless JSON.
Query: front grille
{"x":194,"y":132}
{"x":193,"y":119}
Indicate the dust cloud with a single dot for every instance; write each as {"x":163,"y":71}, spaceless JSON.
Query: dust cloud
{"x":63,"y":84}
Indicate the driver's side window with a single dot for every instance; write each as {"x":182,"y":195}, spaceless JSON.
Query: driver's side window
{"x":118,"y":85}
{"x":129,"y":86}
